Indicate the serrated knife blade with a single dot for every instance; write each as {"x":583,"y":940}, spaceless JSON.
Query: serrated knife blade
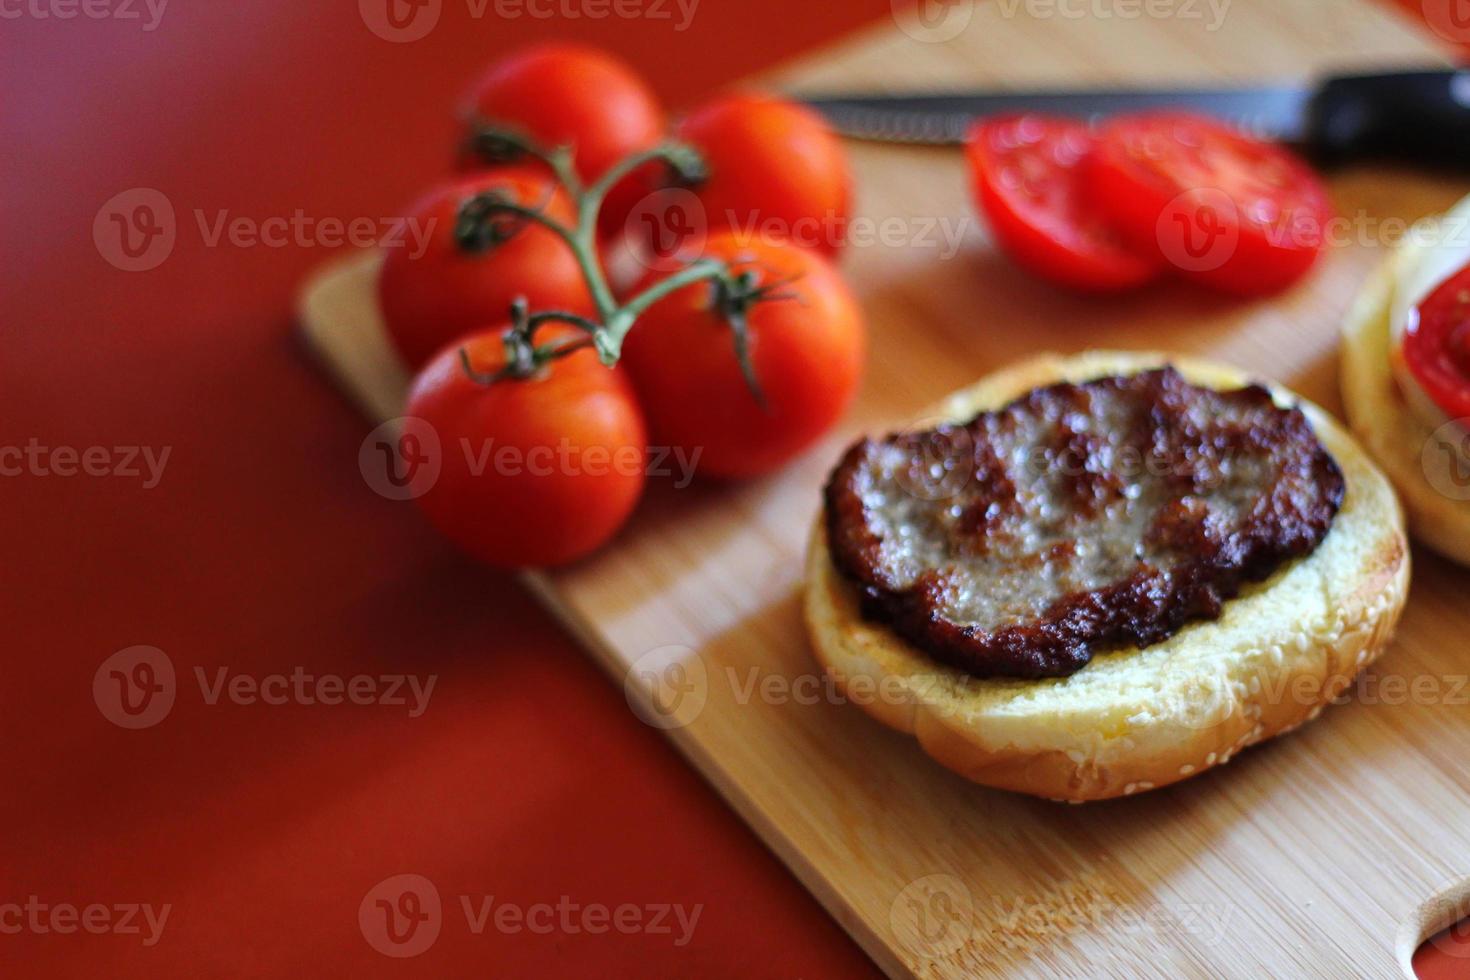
{"x":943,"y":118}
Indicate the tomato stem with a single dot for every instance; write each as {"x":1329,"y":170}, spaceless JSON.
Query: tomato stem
{"x":682,"y":158}
{"x":497,"y":145}
{"x":477,"y":228}
{"x":490,"y":218}
{"x":622,"y":320}
{"x":523,"y":358}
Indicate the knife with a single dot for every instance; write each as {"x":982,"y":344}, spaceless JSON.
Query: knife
{"x":1420,"y":116}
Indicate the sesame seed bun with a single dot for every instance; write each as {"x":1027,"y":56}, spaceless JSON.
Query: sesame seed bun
{"x":1134,"y":719}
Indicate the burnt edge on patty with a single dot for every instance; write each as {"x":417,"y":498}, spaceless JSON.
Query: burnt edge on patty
{"x":1140,"y":502}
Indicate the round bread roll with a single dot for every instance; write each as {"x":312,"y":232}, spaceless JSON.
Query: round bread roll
{"x":1134,"y":719}
{"x":1397,"y":437}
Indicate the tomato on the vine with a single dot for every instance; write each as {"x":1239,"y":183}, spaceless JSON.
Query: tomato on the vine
{"x":535,"y":471}
{"x":433,"y":289}
{"x":775,"y":170}
{"x":574,"y":95}
{"x":806,"y":347}
{"x":1225,"y":209}
{"x":1027,"y":176}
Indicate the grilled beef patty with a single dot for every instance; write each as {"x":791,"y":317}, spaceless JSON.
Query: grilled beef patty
{"x":1078,"y":517}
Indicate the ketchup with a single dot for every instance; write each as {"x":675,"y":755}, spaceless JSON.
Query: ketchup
{"x":1437,"y":345}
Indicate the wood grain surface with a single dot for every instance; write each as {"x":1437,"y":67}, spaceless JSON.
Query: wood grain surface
{"x":1310,"y":856}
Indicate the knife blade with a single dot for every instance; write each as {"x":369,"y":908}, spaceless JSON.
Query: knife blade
{"x":1422,"y":115}
{"x":945,"y":118}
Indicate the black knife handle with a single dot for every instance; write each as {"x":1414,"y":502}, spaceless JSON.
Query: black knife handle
{"x":1419,"y":117}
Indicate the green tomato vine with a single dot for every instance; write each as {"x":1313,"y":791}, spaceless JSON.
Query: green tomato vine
{"x":490,"y":218}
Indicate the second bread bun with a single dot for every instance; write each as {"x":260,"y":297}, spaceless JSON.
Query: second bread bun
{"x":1135,"y":719}
{"x":1396,"y":436}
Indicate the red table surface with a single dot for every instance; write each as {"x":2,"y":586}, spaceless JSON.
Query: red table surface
{"x":260,"y":549}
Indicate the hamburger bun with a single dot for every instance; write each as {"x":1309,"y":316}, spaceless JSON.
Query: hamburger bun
{"x":1135,"y":719}
{"x":1397,"y":437}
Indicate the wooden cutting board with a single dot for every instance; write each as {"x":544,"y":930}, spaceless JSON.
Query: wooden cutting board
{"x":1310,"y":856}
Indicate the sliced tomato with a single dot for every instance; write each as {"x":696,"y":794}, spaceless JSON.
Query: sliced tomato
{"x":1437,"y":345}
{"x":1233,"y":212}
{"x":1028,"y":182}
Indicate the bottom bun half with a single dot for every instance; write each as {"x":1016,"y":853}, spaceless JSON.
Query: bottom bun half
{"x":1134,"y":719}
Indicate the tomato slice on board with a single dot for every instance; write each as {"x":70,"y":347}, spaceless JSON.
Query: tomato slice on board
{"x":1028,"y":182}
{"x":1437,"y":345}
{"x":1225,"y":209}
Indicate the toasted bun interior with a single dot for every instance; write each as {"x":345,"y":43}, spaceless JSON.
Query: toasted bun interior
{"x":1134,"y":719}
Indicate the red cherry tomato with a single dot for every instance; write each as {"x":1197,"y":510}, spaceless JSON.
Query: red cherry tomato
{"x":776,"y":171}
{"x":1028,"y":182}
{"x":1437,"y":345}
{"x":433,"y":291}
{"x":533,"y":472}
{"x":1235,"y":213}
{"x":569,"y":94}
{"x":807,"y":352}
